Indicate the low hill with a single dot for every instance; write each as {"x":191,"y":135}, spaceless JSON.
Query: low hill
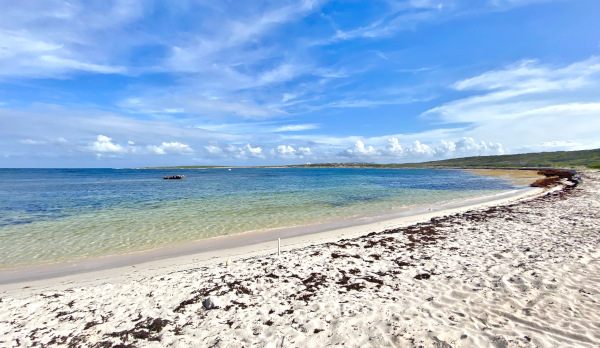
{"x":559,"y":159}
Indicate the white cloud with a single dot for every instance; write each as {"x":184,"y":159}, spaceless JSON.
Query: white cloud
{"x":393,"y":148}
{"x":213,"y":150}
{"x":296,"y":127}
{"x":171,"y":148}
{"x":284,"y":151}
{"x":56,"y":142}
{"x":359,"y":150}
{"x":105,"y":144}
{"x":417,"y":149}
{"x":467,"y":146}
{"x":287,"y":151}
{"x":252,"y":151}
{"x":528,"y":104}
{"x":529,"y":76}
{"x":15,"y":43}
{"x":54,"y":38}
{"x":304,"y":151}
{"x":63,"y":64}
{"x":233,"y":151}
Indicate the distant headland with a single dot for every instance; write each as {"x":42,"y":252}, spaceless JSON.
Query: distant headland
{"x":559,"y":159}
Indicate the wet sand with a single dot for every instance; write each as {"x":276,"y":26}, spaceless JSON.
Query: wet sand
{"x":255,"y":242}
{"x":515,"y":273}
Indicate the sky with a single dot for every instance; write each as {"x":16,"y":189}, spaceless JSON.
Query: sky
{"x":156,"y":83}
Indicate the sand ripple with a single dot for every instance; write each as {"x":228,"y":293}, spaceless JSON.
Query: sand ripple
{"x":521,"y":275}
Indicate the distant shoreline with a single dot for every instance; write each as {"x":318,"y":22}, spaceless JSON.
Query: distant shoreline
{"x":512,"y":272}
{"x":253,"y":241}
{"x":533,"y":161}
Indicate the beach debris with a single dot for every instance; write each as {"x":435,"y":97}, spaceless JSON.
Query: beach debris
{"x":173,"y":177}
{"x":148,"y":329}
{"x":228,"y":262}
{"x":210,"y":303}
{"x":554,"y":177}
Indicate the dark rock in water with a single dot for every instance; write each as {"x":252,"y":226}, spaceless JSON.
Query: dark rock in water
{"x":174,"y":177}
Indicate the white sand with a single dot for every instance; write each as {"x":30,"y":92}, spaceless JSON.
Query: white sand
{"x":520,"y":274}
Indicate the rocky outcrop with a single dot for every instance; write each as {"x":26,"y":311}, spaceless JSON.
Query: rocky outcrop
{"x":172,"y":177}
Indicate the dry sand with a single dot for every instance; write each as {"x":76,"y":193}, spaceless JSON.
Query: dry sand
{"x":515,"y":274}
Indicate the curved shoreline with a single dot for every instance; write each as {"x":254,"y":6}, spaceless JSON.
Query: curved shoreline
{"x":518,"y":273}
{"x":151,"y":215}
{"x":249,"y":243}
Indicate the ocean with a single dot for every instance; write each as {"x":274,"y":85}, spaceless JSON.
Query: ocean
{"x":49,"y":216}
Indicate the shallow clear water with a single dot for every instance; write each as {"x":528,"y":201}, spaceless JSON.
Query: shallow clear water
{"x":57,"y":215}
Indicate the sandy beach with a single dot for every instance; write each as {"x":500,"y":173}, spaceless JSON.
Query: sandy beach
{"x":519,"y":271}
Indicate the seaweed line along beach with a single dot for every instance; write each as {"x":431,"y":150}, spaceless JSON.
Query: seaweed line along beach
{"x":517,"y":273}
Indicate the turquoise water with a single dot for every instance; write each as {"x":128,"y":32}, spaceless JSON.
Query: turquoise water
{"x":57,"y":215}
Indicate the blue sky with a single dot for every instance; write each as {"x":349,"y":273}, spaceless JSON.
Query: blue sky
{"x":147,"y":83}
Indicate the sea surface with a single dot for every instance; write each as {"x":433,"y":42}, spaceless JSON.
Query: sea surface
{"x":56,"y":215}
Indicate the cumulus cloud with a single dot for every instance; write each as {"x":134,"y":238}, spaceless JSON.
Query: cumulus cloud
{"x":287,"y":151}
{"x":252,"y":151}
{"x":284,"y":151}
{"x":359,"y":150}
{"x":233,"y":151}
{"x":213,"y":150}
{"x":445,"y":148}
{"x":105,"y":144}
{"x":172,"y":148}
{"x":393,"y":148}
{"x":467,"y":146}
{"x":417,"y":149}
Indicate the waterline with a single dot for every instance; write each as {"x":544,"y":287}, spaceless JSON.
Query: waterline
{"x":117,"y":212}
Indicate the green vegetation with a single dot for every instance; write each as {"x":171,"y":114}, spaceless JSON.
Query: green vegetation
{"x":560,"y":159}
